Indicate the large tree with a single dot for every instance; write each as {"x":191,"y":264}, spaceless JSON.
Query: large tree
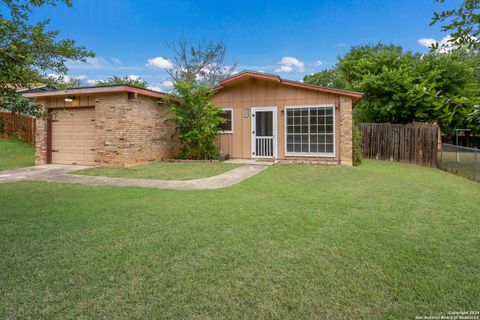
{"x":402,"y":87}
{"x":28,"y":51}
{"x":462,"y":24}
{"x":130,"y":80}
{"x":203,"y":61}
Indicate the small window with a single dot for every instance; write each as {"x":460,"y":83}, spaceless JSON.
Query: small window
{"x":227,"y":127}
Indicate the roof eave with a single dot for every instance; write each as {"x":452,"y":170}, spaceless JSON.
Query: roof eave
{"x":95,"y":90}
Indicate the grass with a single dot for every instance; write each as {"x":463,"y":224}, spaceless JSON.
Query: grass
{"x":15,"y":154}
{"x":381,"y":241}
{"x":163,"y":170}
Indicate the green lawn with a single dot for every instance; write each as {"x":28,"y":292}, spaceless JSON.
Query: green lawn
{"x":384,"y":240}
{"x":15,"y":154}
{"x":163,"y":170}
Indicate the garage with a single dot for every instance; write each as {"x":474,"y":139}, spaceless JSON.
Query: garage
{"x":73,"y":136}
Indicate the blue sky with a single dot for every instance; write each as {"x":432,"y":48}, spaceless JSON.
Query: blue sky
{"x":291,"y":38}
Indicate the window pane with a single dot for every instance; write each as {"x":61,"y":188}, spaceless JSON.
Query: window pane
{"x":321,"y":148}
{"x":310,"y":130}
{"x":227,"y":115}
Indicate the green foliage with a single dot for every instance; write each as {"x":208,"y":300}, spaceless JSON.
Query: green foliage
{"x":129,"y":80}
{"x":28,"y":50}
{"x":197,"y":120}
{"x":325,"y":78}
{"x":403,"y":87}
{"x":462,"y":24}
{"x":357,"y":146}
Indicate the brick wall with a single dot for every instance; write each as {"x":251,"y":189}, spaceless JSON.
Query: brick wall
{"x":41,"y":142}
{"x":130,"y":131}
{"x":346,"y":131}
{"x":127,"y":131}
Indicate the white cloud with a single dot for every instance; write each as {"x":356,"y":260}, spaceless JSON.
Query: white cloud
{"x":318,"y":63}
{"x":444,"y":44}
{"x":160,"y":63}
{"x":133,"y":77}
{"x":91,"y":82}
{"x":289,"y":64}
{"x":116,"y":60}
{"x":426,"y":42}
{"x":164,"y":86}
{"x":167,"y":83}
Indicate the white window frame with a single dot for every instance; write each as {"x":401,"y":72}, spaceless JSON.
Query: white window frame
{"x":317,"y":154}
{"x":229,"y":131}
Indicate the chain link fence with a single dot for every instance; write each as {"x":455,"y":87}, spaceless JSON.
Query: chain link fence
{"x":460,"y":160}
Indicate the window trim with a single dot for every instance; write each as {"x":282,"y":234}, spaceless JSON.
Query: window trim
{"x":228,"y":131}
{"x":317,"y":154}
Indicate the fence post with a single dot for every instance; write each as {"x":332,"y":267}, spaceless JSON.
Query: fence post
{"x":441,"y":154}
{"x":475,"y":165}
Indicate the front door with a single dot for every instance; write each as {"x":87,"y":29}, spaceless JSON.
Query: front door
{"x":264,"y":132}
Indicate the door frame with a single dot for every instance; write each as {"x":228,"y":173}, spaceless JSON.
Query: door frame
{"x":274,"y":127}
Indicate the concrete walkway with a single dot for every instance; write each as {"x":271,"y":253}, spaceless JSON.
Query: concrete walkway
{"x":62,"y":173}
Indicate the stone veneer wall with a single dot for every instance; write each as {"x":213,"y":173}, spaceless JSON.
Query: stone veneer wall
{"x":41,"y":142}
{"x":346,"y":131}
{"x":130,"y":131}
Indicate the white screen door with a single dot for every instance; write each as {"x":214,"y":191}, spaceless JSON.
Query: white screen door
{"x":264,"y":132}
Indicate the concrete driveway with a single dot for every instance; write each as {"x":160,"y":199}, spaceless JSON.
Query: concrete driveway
{"x":62,"y":173}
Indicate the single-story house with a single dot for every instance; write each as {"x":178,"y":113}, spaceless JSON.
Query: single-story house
{"x":267,"y":118}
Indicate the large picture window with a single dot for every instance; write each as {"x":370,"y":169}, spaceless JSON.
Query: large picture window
{"x":227,"y":126}
{"x":310,"y":130}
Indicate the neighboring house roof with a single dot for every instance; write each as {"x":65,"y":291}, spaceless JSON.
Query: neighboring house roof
{"x":356,"y":96}
{"x":92,"y":90}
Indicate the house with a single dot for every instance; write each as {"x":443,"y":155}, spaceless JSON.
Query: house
{"x":267,"y":117}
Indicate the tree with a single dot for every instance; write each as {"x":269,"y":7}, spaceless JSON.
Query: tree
{"x":325,"y":78}
{"x":129,"y":80}
{"x":197,"y":120}
{"x":203,"y":62}
{"x":27,"y":51}
{"x":462,"y":24}
{"x":403,"y":87}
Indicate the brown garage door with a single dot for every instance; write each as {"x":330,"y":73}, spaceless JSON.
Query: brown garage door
{"x":73,"y":136}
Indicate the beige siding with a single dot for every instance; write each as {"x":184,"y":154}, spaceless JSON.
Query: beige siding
{"x":262,"y":93}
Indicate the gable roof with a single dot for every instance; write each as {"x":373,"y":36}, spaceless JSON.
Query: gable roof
{"x":92,"y":90}
{"x":356,"y":96}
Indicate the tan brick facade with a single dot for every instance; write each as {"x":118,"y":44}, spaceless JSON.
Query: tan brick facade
{"x":41,"y":142}
{"x":127,"y":131}
{"x":130,"y":131}
{"x":346,"y":131}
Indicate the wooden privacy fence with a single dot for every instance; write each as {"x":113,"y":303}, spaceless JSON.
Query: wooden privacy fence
{"x":412,"y":143}
{"x":17,"y":126}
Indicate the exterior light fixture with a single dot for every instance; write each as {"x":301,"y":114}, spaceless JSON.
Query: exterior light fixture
{"x":69,"y":99}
